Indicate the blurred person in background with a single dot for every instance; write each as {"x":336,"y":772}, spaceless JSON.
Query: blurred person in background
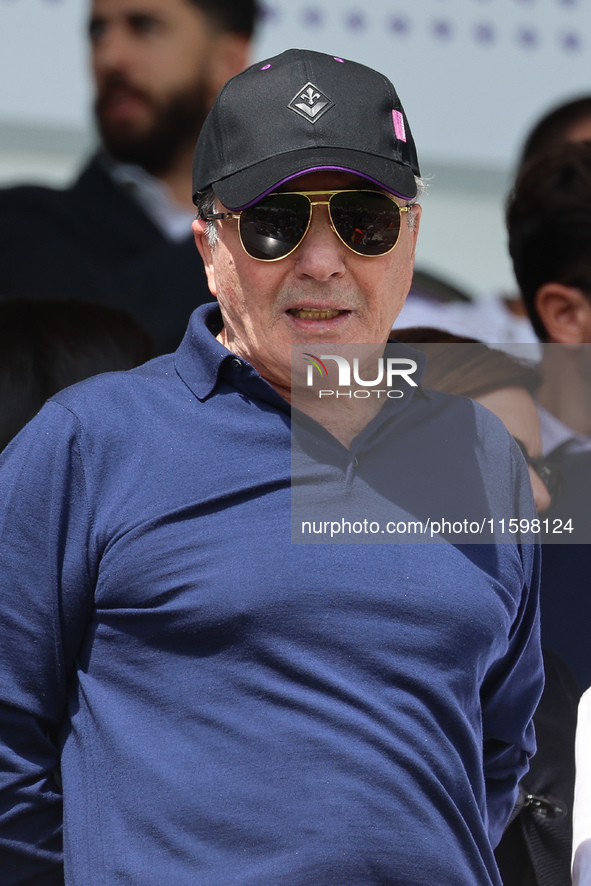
{"x":121,"y":234}
{"x":582,"y":807}
{"x":549,"y":228}
{"x":535,"y":849}
{"x":500,"y":318}
{"x":46,"y":346}
{"x":567,"y":122}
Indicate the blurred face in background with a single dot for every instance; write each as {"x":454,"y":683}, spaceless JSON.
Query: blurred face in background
{"x":157,"y":65}
{"x":516,"y":408}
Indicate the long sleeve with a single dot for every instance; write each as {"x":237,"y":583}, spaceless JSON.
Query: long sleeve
{"x":510,"y":696}
{"x":45,"y":593}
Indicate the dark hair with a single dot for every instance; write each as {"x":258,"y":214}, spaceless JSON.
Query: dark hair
{"x":237,"y":16}
{"x":549,"y":224}
{"x":460,"y":365}
{"x":48,"y":345}
{"x":553,"y":129}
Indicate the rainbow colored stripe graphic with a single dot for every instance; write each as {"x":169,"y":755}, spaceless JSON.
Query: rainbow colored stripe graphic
{"x":317,"y":363}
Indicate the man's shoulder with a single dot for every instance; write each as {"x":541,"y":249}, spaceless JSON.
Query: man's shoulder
{"x":118,"y":416}
{"x":88,"y":198}
{"x":467,"y":420}
{"x":67,"y":242}
{"x":26,"y":208}
{"x":105,"y":396}
{"x":32,"y":198}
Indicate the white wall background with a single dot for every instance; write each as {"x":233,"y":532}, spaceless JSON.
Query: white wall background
{"x":473,"y":76}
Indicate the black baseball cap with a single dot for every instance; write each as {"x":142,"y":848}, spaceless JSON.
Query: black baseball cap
{"x":298,"y":112}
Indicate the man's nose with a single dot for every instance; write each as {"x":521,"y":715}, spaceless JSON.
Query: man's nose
{"x":321,"y":254}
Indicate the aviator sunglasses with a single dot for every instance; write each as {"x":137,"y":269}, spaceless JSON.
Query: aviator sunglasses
{"x":367,"y":222}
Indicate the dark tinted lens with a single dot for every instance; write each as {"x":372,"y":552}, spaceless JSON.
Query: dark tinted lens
{"x":275,"y":226}
{"x":367,"y":221}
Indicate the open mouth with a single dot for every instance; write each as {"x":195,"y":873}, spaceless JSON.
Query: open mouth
{"x":315,"y":313}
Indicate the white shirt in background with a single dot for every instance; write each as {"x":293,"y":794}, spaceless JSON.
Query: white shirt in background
{"x":582,"y":804}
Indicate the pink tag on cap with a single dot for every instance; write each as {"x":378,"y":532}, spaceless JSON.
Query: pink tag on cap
{"x":399,"y":125}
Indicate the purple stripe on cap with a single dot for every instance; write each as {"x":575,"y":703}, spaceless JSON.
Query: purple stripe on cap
{"x":289,"y":178}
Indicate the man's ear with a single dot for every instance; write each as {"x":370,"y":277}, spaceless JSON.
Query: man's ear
{"x":230,"y":56}
{"x":205,"y":251}
{"x":565,"y":312}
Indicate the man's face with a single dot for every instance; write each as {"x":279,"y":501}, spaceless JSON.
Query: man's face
{"x":323,"y":292}
{"x":157,"y":65}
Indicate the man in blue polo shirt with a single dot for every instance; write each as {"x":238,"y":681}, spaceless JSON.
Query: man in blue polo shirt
{"x":188,"y":696}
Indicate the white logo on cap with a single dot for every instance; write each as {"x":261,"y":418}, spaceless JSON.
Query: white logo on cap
{"x":310,"y":103}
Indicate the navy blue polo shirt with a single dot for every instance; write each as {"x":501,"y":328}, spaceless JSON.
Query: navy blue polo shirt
{"x":225,"y":706}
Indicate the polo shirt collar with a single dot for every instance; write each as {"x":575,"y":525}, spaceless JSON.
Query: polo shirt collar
{"x":201,"y":361}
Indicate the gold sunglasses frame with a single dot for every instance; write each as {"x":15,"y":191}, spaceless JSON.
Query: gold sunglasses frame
{"x":222,"y":216}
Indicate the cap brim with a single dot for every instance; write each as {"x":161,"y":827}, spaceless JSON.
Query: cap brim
{"x":249,"y":185}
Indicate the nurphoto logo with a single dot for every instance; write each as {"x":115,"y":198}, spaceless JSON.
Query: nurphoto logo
{"x":385,"y":372}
